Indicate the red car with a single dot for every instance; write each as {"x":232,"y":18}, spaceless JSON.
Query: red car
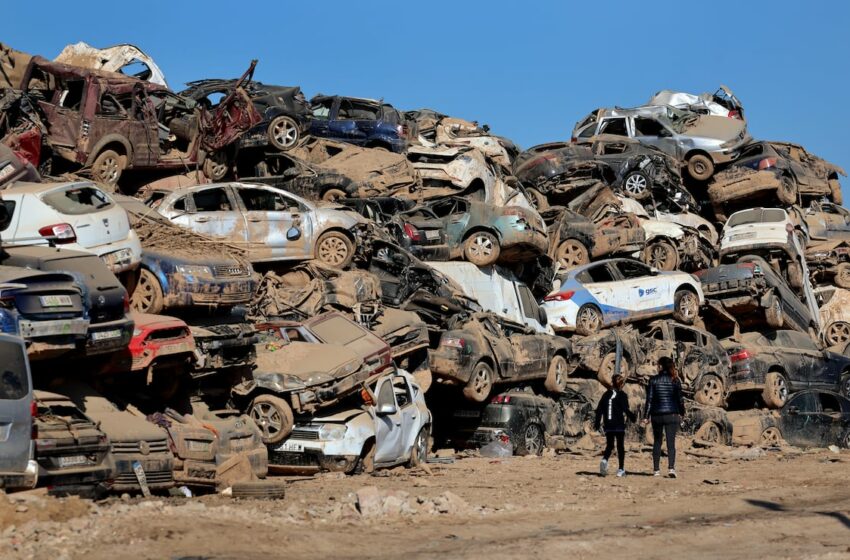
{"x":160,"y":341}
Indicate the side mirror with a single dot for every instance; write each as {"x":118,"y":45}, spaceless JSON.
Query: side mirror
{"x":542,"y":317}
{"x":293,"y":234}
{"x":386,"y":409}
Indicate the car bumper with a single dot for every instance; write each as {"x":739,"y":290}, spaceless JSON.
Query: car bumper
{"x":109,"y":337}
{"x":306,"y":456}
{"x":449,"y":364}
{"x":158,"y":471}
{"x":186,"y":291}
{"x":20,"y":480}
{"x":562,"y":315}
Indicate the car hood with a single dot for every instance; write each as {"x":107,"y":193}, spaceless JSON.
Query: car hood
{"x":717,"y":128}
{"x":306,"y":360}
{"x":340,"y":417}
{"x":123,"y":426}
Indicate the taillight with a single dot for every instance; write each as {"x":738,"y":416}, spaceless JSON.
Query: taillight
{"x":453,"y":342}
{"x":501,"y":399}
{"x":412,"y":233}
{"x":59,"y":233}
{"x":126,"y":303}
{"x":739,"y":356}
{"x":734,"y":115}
{"x":560,"y":296}
{"x":767,"y":163}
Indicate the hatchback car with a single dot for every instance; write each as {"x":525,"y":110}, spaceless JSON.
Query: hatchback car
{"x":364,"y":122}
{"x":77,"y":216}
{"x":18,"y":468}
{"x":269,"y":224}
{"x":614,"y":291}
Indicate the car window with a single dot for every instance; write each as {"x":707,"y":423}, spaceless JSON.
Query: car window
{"x":614,"y":126}
{"x":795,"y":339}
{"x":648,"y":127}
{"x":337,"y":330}
{"x":633,"y":269}
{"x":322,"y":109}
{"x":77,"y":200}
{"x":685,"y":335}
{"x":656,"y":333}
{"x":751,"y":151}
{"x":179,"y":204}
{"x":72,"y":96}
{"x":756,"y":216}
{"x":449,"y":206}
{"x":805,"y":403}
{"x":829,"y":403}
{"x":529,"y":306}
{"x":14,"y":383}
{"x":264,"y":200}
{"x":588,"y":131}
{"x":825,"y":294}
{"x":10,"y":212}
{"x":402,"y":391}
{"x":109,"y":106}
{"x":386,"y":394}
{"x":357,"y":110}
{"x":612,"y":148}
{"x":599,"y":273}
{"x":212,"y":200}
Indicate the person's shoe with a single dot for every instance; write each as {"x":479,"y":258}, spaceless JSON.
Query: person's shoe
{"x":621,"y":473}
{"x":603,"y":467}
{"x":671,"y":473}
{"x":656,"y":473}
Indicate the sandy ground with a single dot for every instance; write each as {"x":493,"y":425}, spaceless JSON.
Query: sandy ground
{"x":781,"y":503}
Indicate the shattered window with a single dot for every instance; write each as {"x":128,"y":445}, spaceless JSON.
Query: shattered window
{"x":599,"y":274}
{"x":264,"y":201}
{"x":322,"y":110}
{"x":355,"y":110}
{"x":616,"y":127}
{"x":402,"y":391}
{"x":685,"y":335}
{"x":110,"y":106}
{"x":829,"y":403}
{"x":448,"y":207}
{"x":72,"y":96}
{"x":633,"y":269}
{"x":10,"y":211}
{"x":212,"y":200}
{"x":588,"y":131}
{"x":649,"y":127}
{"x":77,"y":200}
{"x":14,"y":383}
{"x":180,"y":204}
{"x":612,"y":148}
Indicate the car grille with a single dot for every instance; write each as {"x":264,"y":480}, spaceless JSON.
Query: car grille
{"x":229,"y":271}
{"x":312,"y":435}
{"x":156,"y":446}
{"x":293,"y":459}
{"x":152,"y":477}
{"x":238,"y":297}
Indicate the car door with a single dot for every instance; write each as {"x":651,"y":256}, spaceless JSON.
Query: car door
{"x":345,"y":126}
{"x":652,"y":132}
{"x":410,"y":420}
{"x":15,"y":404}
{"x":530,"y":352}
{"x":831,"y":419}
{"x":62,"y":110}
{"x":212,"y":211}
{"x":606,"y":287}
{"x":274,"y":223}
{"x":388,"y":422}
{"x":800,"y":420}
{"x":690,"y":355}
{"x":643,"y":293}
{"x":322,"y":111}
{"x":837,"y":222}
{"x":805,"y":363}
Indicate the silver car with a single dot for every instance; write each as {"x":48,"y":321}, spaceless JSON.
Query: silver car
{"x":701,"y":142}
{"x":18,"y":468}
{"x":270,"y":224}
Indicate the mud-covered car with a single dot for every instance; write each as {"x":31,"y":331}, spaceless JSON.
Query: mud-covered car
{"x":222,"y":345}
{"x":721,"y":103}
{"x":364,"y":122}
{"x":454,"y":227}
{"x":834,"y":304}
{"x":485,"y":350}
{"x":816,"y":418}
{"x":14,"y":168}
{"x":574,"y":240}
{"x":596,"y":354}
{"x":71,"y":450}
{"x":825,"y":222}
{"x":829,"y":262}
{"x":269,"y":224}
{"x":773,"y":364}
{"x":387,"y":424}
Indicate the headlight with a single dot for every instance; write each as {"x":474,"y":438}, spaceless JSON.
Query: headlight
{"x":331,"y":431}
{"x":194,"y":269}
{"x":137,"y":332}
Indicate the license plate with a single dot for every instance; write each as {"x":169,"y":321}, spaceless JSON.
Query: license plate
{"x":73,"y":460}
{"x":106,"y":335}
{"x":432,"y":234}
{"x":291,"y":446}
{"x":7,"y":170}
{"x":55,"y":301}
{"x":195,"y":445}
{"x":49,"y":328}
{"x":749,"y":235}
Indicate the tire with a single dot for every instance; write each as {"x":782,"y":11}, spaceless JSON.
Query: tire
{"x":770,"y":437}
{"x":481,"y":248}
{"x":775,"y":392}
{"x":773,"y":314}
{"x":283,"y":133}
{"x":537,"y":199}
{"x":844,"y":385}
{"x":366,"y":463}
{"x":571,"y":253}
{"x":837,"y":332}
{"x":795,"y":275}
{"x":556,"y":378}
{"x":273,"y":416}
{"x":216,"y":166}
{"x":147,"y":297}
{"x":335,"y":248}
{"x":700,"y":167}
{"x":262,"y":490}
{"x":531,"y":441}
{"x":835,"y":191}
{"x":685,"y":307}
{"x":842,"y":276}
{"x":419,"y":453}
{"x":480,"y":383}
{"x":605,"y":374}
{"x":709,"y":390}
{"x":637,"y":185}
{"x":332,"y":195}
{"x":108,"y":166}
{"x":588,"y":320}
{"x":709,"y":432}
{"x":786,"y":191}
{"x":845,"y":440}
{"x":661,"y":255}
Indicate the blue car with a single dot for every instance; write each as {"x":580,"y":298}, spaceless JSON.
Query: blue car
{"x":363,"y":122}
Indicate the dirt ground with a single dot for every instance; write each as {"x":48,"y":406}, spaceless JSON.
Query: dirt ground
{"x":751,"y":504}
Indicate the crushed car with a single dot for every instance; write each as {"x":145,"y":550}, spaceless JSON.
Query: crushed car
{"x":721,"y":103}
{"x":364,"y":122}
{"x":834,"y":304}
{"x":574,"y":240}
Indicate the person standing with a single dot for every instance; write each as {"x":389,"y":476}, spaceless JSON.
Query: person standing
{"x":665,"y":407}
{"x":611,"y":412}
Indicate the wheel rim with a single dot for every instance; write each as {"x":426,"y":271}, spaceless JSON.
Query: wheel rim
{"x":108,"y":169}
{"x":285,"y":132}
{"x":589,"y":319}
{"x":333,"y":250}
{"x":636,"y":184}
{"x":267,"y":418}
{"x":144,"y":294}
{"x":780,"y":389}
{"x":660,"y":257}
{"x":699,"y":166}
{"x":838,"y":332}
{"x":687,"y":304}
{"x":422,"y":445}
{"x":844,"y":274}
{"x":711,"y":391}
{"x":710,"y":433}
{"x":560,"y":377}
{"x":532,"y":439}
{"x":481,"y":247}
{"x":571,"y":253}
{"x":770,"y":437}
{"x":846,"y":386}
{"x":482,"y":381}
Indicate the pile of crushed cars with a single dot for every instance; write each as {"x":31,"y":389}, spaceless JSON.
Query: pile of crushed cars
{"x":204,"y":288}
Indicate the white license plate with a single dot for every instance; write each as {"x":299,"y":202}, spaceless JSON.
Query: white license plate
{"x":7,"y":170}
{"x":195,"y":445}
{"x":49,"y":328}
{"x":73,"y":460}
{"x":749,"y":235}
{"x":432,"y":234}
{"x":106,"y":335}
{"x":291,"y":446}
{"x":55,"y":301}
{"x":118,"y":258}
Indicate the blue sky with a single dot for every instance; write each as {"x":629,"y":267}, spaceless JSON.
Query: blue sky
{"x":529,"y":69}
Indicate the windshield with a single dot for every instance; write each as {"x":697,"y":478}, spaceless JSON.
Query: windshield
{"x":757,"y":216}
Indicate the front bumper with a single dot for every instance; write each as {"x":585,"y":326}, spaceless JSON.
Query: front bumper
{"x":20,"y":480}
{"x":109,"y":336}
{"x":158,"y":470}
{"x":314,"y":456}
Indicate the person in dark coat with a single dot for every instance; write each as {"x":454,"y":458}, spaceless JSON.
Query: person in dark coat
{"x":665,"y":407}
{"x":611,"y":412}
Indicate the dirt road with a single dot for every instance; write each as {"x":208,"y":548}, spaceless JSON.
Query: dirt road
{"x":783,"y":504}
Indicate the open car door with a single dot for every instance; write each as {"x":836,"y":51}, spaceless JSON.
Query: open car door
{"x":231,"y":118}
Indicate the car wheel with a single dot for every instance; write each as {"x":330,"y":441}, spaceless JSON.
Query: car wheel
{"x":332,"y":195}
{"x":531,"y":441}
{"x":273,"y":416}
{"x":283,"y":132}
{"x":785,"y":192}
{"x":838,"y":332}
{"x":481,"y":248}
{"x":835,"y":191}
{"x":661,"y":255}
{"x":709,"y":391}
{"x":637,"y":185}
{"x":685,"y":306}
{"x":366,"y":463}
{"x":259,"y":490}
{"x":845,"y":440}
{"x":419,"y":453}
{"x":773,"y":314}
{"x":216,"y":166}
{"x":108,"y":166}
{"x":842,"y":276}
{"x":538,"y":200}
{"x":795,"y":275}
{"x":588,"y":320}
{"x":771,"y":437}
{"x":844,"y":387}
{"x":709,"y":432}
{"x":556,"y":378}
{"x":605,"y":373}
{"x":480,"y":383}
{"x":147,"y":297}
{"x":700,"y":167}
{"x":335,"y":248}
{"x":775,"y":391}
{"x":571,"y":253}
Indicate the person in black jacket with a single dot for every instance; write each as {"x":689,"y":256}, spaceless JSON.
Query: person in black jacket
{"x":612,"y":410}
{"x":665,"y":407}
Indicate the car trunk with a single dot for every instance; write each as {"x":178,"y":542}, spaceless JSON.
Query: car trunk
{"x":95,"y":218}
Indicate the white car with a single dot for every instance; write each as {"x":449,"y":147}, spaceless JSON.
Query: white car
{"x":721,"y":103}
{"x":834,"y":315}
{"x":391,"y":428}
{"x":76,"y":215}
{"x":613,"y":291}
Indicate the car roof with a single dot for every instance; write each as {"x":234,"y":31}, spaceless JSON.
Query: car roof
{"x":575,"y":271}
{"x":38,"y":188}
